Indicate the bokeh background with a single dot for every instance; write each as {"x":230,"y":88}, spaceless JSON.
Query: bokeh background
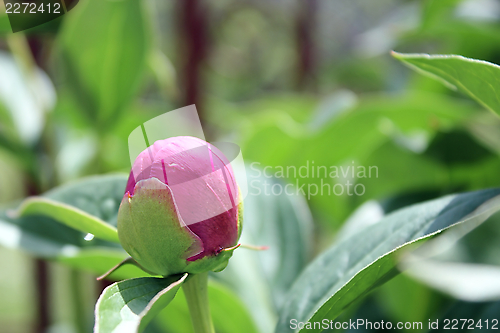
{"x":290,"y":81}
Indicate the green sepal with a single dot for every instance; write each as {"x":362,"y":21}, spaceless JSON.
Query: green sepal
{"x":151,"y":231}
{"x":214,"y":263}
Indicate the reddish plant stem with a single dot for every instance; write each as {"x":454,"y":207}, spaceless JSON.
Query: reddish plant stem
{"x":42,"y":288}
{"x":194,"y":43}
{"x":41,"y":277}
{"x":42,"y":321}
{"x":193,"y":28}
{"x":306,"y":23}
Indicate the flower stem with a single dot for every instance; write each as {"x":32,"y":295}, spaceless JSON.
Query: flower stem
{"x":196,"y":292}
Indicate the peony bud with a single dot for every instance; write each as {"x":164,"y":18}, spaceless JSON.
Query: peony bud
{"x":181,"y":211}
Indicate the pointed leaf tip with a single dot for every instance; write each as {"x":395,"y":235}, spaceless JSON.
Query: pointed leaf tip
{"x":70,"y":216}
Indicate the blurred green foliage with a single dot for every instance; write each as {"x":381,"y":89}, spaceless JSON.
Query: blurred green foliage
{"x":73,"y":89}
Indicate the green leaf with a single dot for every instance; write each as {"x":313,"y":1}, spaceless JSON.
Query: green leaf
{"x":44,"y":237}
{"x":4,"y":25}
{"x":40,"y":235}
{"x":455,"y":165}
{"x":462,"y":263}
{"x":404,"y":299}
{"x":71,"y":216}
{"x":104,"y":46}
{"x":356,"y":134}
{"x":476,"y":78}
{"x":360,"y":129}
{"x":464,"y":281}
{"x":434,"y":11}
{"x":85,"y":205}
{"x":228,"y":311}
{"x":128,"y":306}
{"x":99,"y":196}
{"x":284,"y":224}
{"x":353,"y":267}
{"x":393,"y":162}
